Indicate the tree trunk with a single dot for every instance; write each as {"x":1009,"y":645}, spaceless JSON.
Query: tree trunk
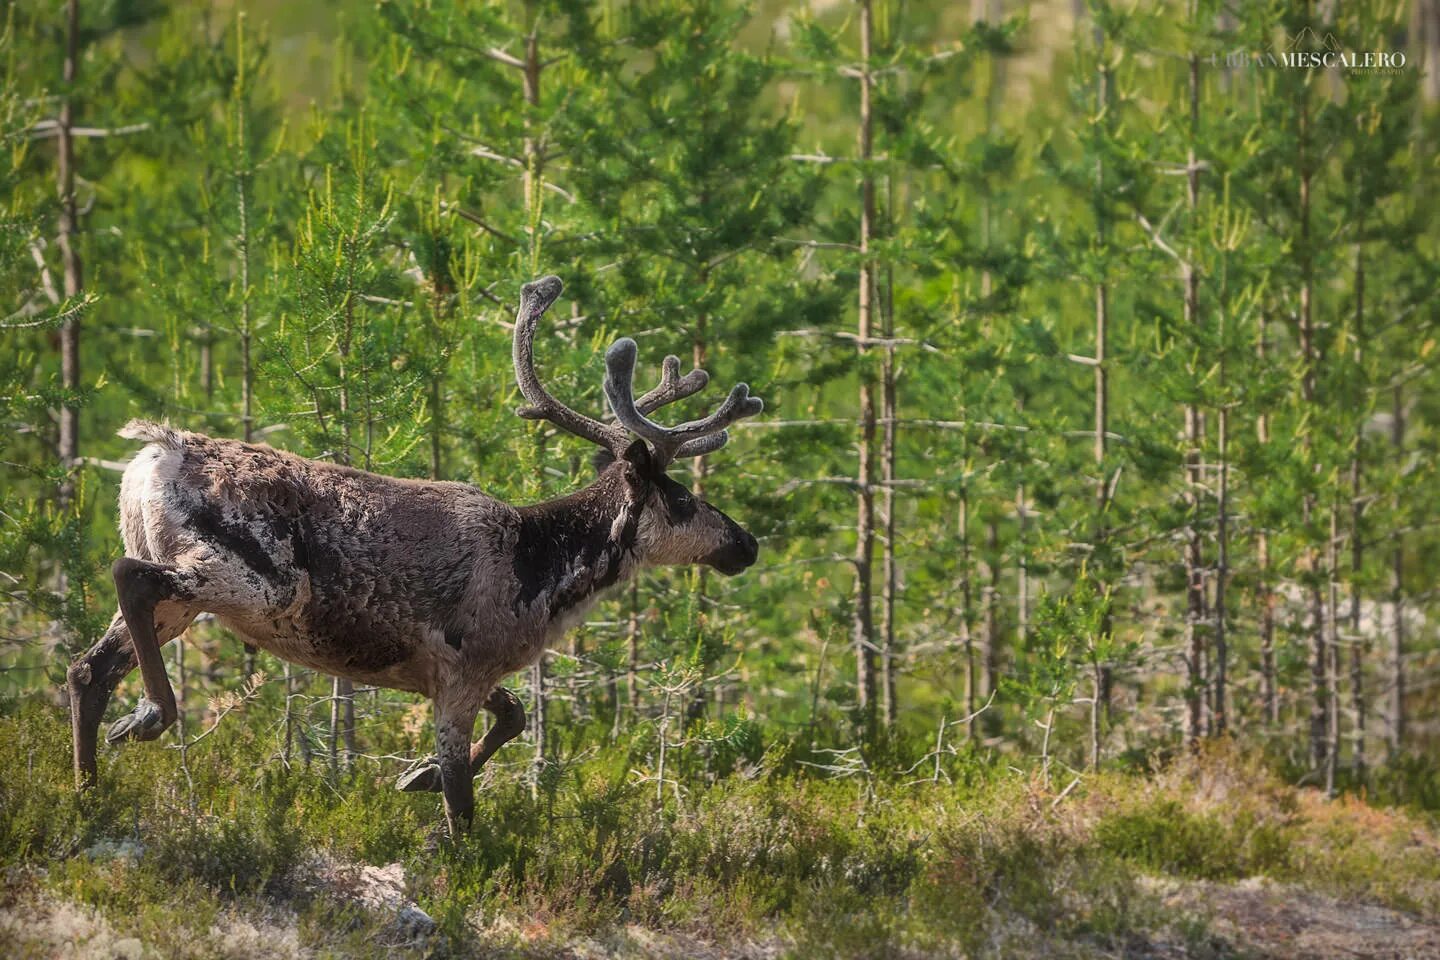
{"x":699,"y":471}
{"x":1102,"y":381}
{"x":888,"y":573}
{"x":1219,"y":688}
{"x":537,"y":723}
{"x":68,"y":447}
{"x":967,"y":635}
{"x":342,"y":691}
{"x":1319,"y":660}
{"x":436,"y":427}
{"x":1397,"y":590}
{"x":1332,"y":654}
{"x":632,"y":650}
{"x":1427,"y":14}
{"x":534,"y":162}
{"x":862,"y":626}
{"x":534,"y":172}
{"x":1195,"y":588}
{"x":1097,"y":680}
{"x":1022,"y":569}
{"x":1358,"y":704}
{"x":241,"y":175}
{"x":1269,"y":697}
{"x":992,"y":608}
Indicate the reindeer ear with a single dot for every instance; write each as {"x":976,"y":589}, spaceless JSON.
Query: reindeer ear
{"x":638,"y":456}
{"x":602,"y":459}
{"x":640,"y":463}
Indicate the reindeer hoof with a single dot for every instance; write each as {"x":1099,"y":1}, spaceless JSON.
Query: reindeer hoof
{"x":146,"y":722}
{"x":420,"y":777}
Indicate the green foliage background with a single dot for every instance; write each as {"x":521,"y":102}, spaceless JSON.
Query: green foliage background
{"x":309,"y":225}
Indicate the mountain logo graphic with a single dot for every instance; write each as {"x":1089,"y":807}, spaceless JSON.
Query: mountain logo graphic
{"x":1308,"y":39}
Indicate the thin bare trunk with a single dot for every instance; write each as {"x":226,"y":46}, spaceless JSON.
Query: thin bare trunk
{"x":342,"y":690}
{"x":436,"y":427}
{"x":538,"y":706}
{"x":241,"y":175}
{"x":1332,"y":653}
{"x":335,"y":722}
{"x":888,"y":572}
{"x":699,"y":472}
{"x":534,"y":173}
{"x":1195,"y":587}
{"x":534,"y":162}
{"x":1358,"y":703}
{"x":1022,"y":568}
{"x":207,"y":364}
{"x":1103,"y":677}
{"x":1269,"y":696}
{"x":1220,"y":708}
{"x":863,"y":626}
{"x":632,"y":650}
{"x":983,"y":11}
{"x":1097,"y":680}
{"x":1319,"y":657}
{"x":1319,"y":661}
{"x":1219,"y":684}
{"x":1397,"y":590}
{"x":967,"y":636}
{"x":68,"y":448}
{"x":182,"y":688}
{"x":992,"y":608}
{"x":1427,"y":32}
{"x":289,"y":716}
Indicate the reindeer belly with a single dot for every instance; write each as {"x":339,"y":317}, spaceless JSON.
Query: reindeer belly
{"x":405,"y":666}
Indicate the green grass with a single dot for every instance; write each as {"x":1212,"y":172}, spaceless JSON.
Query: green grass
{"x":826,"y":867}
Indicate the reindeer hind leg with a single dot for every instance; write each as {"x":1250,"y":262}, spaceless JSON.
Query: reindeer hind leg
{"x":509,"y":723}
{"x":90,"y":681}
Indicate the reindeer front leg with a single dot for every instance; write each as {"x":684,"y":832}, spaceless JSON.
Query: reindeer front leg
{"x":424,"y":775}
{"x":453,"y":728}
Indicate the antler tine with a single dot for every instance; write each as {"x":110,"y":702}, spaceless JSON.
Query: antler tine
{"x":672,"y":386}
{"x":535,"y":299}
{"x":684,"y":440}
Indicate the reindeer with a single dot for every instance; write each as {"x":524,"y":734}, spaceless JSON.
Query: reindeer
{"x":429,"y":587}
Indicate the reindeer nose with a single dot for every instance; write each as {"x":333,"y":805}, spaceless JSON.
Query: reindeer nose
{"x":750,"y":549}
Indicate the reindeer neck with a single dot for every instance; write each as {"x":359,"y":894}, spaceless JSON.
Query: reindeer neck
{"x":572,"y":548}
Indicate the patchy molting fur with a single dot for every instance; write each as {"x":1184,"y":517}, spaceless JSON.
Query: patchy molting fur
{"x":431,"y":587}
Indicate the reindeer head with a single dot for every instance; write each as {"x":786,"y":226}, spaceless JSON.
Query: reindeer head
{"x":670,"y":524}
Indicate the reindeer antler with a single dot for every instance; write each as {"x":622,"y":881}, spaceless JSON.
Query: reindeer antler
{"x":535,"y":299}
{"x":690,"y":439}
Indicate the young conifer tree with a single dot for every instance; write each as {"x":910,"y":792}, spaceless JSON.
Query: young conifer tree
{"x":340,"y":352}
{"x":488,"y":89}
{"x":690,"y":192}
{"x":38,"y":538}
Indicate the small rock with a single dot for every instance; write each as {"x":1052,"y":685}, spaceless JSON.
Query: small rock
{"x":128,"y":850}
{"x":128,"y":949}
{"x":412,"y":923}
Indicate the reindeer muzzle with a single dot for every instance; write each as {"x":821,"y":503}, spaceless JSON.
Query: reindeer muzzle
{"x":737,"y":556}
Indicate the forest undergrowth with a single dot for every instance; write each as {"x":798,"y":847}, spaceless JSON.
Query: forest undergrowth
{"x":231,"y":854}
